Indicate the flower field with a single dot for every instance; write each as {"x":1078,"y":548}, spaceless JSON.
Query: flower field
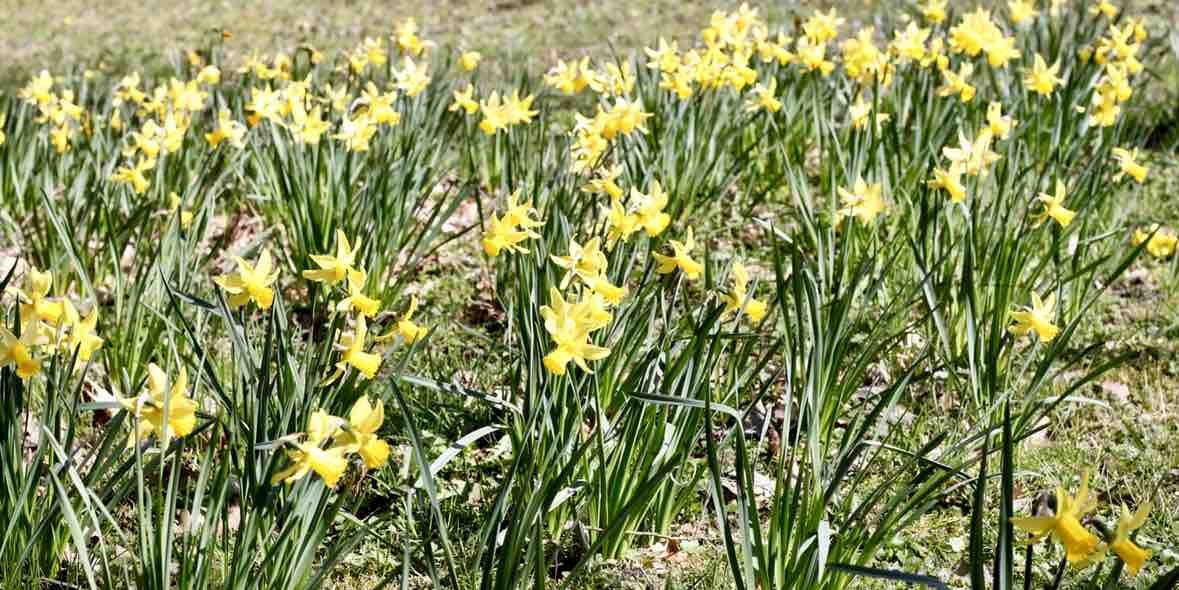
{"x":807,"y":298}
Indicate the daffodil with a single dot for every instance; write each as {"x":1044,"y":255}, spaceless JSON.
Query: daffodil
{"x":1042,"y":78}
{"x":956,"y":83}
{"x":738,"y":299}
{"x":569,"y":78}
{"x":503,"y":235}
{"x":1109,"y":9}
{"x":763,"y":98}
{"x":999,"y":125}
{"x":974,"y":156}
{"x":412,"y":78}
{"x":864,"y":202}
{"x":464,"y":100}
{"x":1054,"y":207}
{"x":934,"y":11}
{"x":135,"y":175}
{"x":356,"y":133}
{"x":360,"y":434}
{"x":950,"y":180}
{"x":406,"y":327}
{"x":356,"y":299}
{"x":1130,"y":553}
{"x":621,"y":224}
{"x":569,"y":325}
{"x":681,"y":258}
{"x":250,"y":282}
{"x":161,"y":410}
{"x":35,"y":302}
{"x":469,"y":60}
{"x":1128,"y":161}
{"x":822,"y":27}
{"x":650,"y":214}
{"x":175,"y":204}
{"x":351,"y":346}
{"x":606,"y":181}
{"x":334,"y":269}
{"x":1037,"y":318}
{"x":909,"y":44}
{"x":307,"y":456}
{"x":1160,"y":243}
{"x":1065,"y":526}
{"x":1022,"y":10}
{"x":665,"y":58}
{"x":83,"y":336}
{"x":18,"y":351}
{"x":583,"y":261}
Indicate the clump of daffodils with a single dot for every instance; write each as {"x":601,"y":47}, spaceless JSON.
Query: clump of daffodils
{"x":47,"y":325}
{"x":329,"y":441}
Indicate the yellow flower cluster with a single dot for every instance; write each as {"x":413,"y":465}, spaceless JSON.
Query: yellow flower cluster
{"x":329,"y":440}
{"x":60,"y":112}
{"x":1082,"y":547}
{"x":47,"y":324}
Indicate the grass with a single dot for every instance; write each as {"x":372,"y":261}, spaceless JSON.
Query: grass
{"x":1122,"y":427}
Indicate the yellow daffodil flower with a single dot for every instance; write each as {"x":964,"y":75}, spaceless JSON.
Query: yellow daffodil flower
{"x":821,"y":27}
{"x":569,"y":325}
{"x":974,"y":156}
{"x":83,"y":336}
{"x":1128,"y":161}
{"x":18,"y":352}
{"x":1022,"y":10}
{"x":1160,"y":243}
{"x":956,"y":82}
{"x":356,"y":299}
{"x":330,"y":464}
{"x":1042,"y":79}
{"x":135,"y":175}
{"x":334,"y":269}
{"x":1037,"y":318}
{"x":465,"y":100}
{"x":864,"y":202}
{"x":620,"y":223}
{"x":250,"y":282}
{"x":934,"y":11}
{"x":356,"y":133}
{"x":161,"y":410}
{"x":950,"y":180}
{"x":999,"y":125}
{"x":1054,"y":207}
{"x":763,"y":98}
{"x":35,"y":303}
{"x":1109,"y":9}
{"x":352,"y":354}
{"x":738,"y":298}
{"x":412,"y":78}
{"x":1065,"y":525}
{"x":469,"y":60}
{"x":584,"y":262}
{"x":503,"y":235}
{"x":649,"y":213}
{"x":681,"y":258}
{"x":360,"y":435}
{"x":1130,"y":553}
{"x":605,"y":181}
